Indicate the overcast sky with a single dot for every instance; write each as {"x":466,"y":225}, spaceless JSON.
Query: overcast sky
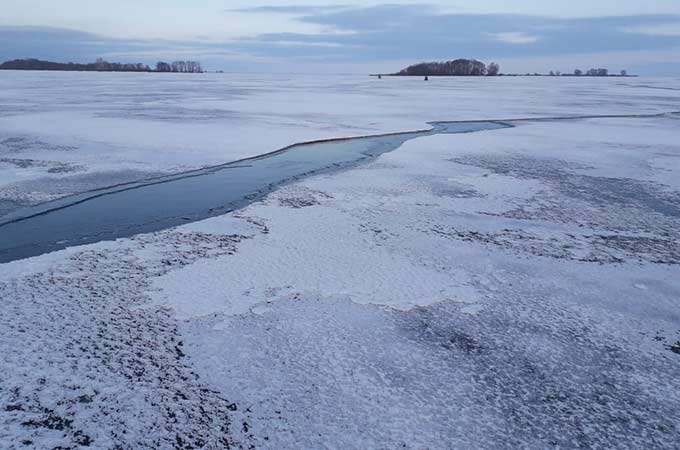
{"x":354,"y":36}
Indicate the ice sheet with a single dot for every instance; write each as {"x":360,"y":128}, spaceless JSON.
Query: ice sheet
{"x":89,"y":130}
{"x":507,"y":289}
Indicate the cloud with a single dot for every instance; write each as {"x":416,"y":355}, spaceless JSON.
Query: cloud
{"x":58,"y":44}
{"x":666,"y":29}
{"x":289,"y":9}
{"x":421,"y":32}
{"x":516,"y":37}
{"x":376,"y":35}
{"x":65,"y":45}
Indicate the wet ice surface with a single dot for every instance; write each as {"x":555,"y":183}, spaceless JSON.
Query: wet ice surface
{"x":514,"y":288}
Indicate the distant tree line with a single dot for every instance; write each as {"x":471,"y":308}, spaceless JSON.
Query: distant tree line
{"x":101,"y":66}
{"x":589,"y":73}
{"x":179,"y":67}
{"x":455,"y":68}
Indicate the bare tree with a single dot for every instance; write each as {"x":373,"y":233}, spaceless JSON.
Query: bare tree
{"x":179,"y":67}
{"x":493,"y":69}
{"x":598,"y":73}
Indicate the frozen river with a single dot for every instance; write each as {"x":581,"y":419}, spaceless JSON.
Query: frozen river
{"x":511,"y":288}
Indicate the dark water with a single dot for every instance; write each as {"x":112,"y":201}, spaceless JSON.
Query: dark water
{"x":153,"y":205}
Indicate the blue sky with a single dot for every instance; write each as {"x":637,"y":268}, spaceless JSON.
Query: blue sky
{"x":349,"y":35}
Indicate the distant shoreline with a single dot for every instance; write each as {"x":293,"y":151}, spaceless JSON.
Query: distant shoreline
{"x":473,"y":68}
{"x":514,"y":75}
{"x":97,"y":71}
{"x":101,"y":66}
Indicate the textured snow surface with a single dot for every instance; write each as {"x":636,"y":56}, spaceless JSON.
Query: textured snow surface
{"x":508,"y":289}
{"x":84,"y":364}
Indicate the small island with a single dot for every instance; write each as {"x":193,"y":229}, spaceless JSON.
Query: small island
{"x":102,"y":66}
{"x":455,"y":68}
{"x":474,"y":68}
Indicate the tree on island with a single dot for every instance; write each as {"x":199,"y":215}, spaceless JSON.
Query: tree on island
{"x":104,"y":66}
{"x":163,"y":67}
{"x":493,"y":70}
{"x":598,"y":73}
{"x":457,"y":68}
{"x":179,"y":67}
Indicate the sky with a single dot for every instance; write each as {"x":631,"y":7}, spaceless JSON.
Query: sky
{"x":642,"y":36}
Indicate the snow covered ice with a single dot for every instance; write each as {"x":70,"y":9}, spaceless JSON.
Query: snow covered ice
{"x":506,"y":289}
{"x":69,"y":132}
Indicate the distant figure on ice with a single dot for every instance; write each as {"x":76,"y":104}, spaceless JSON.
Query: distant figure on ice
{"x":427,"y":78}
{"x":380,"y":77}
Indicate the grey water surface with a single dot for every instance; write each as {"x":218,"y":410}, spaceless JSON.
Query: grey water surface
{"x":157,"y":204}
